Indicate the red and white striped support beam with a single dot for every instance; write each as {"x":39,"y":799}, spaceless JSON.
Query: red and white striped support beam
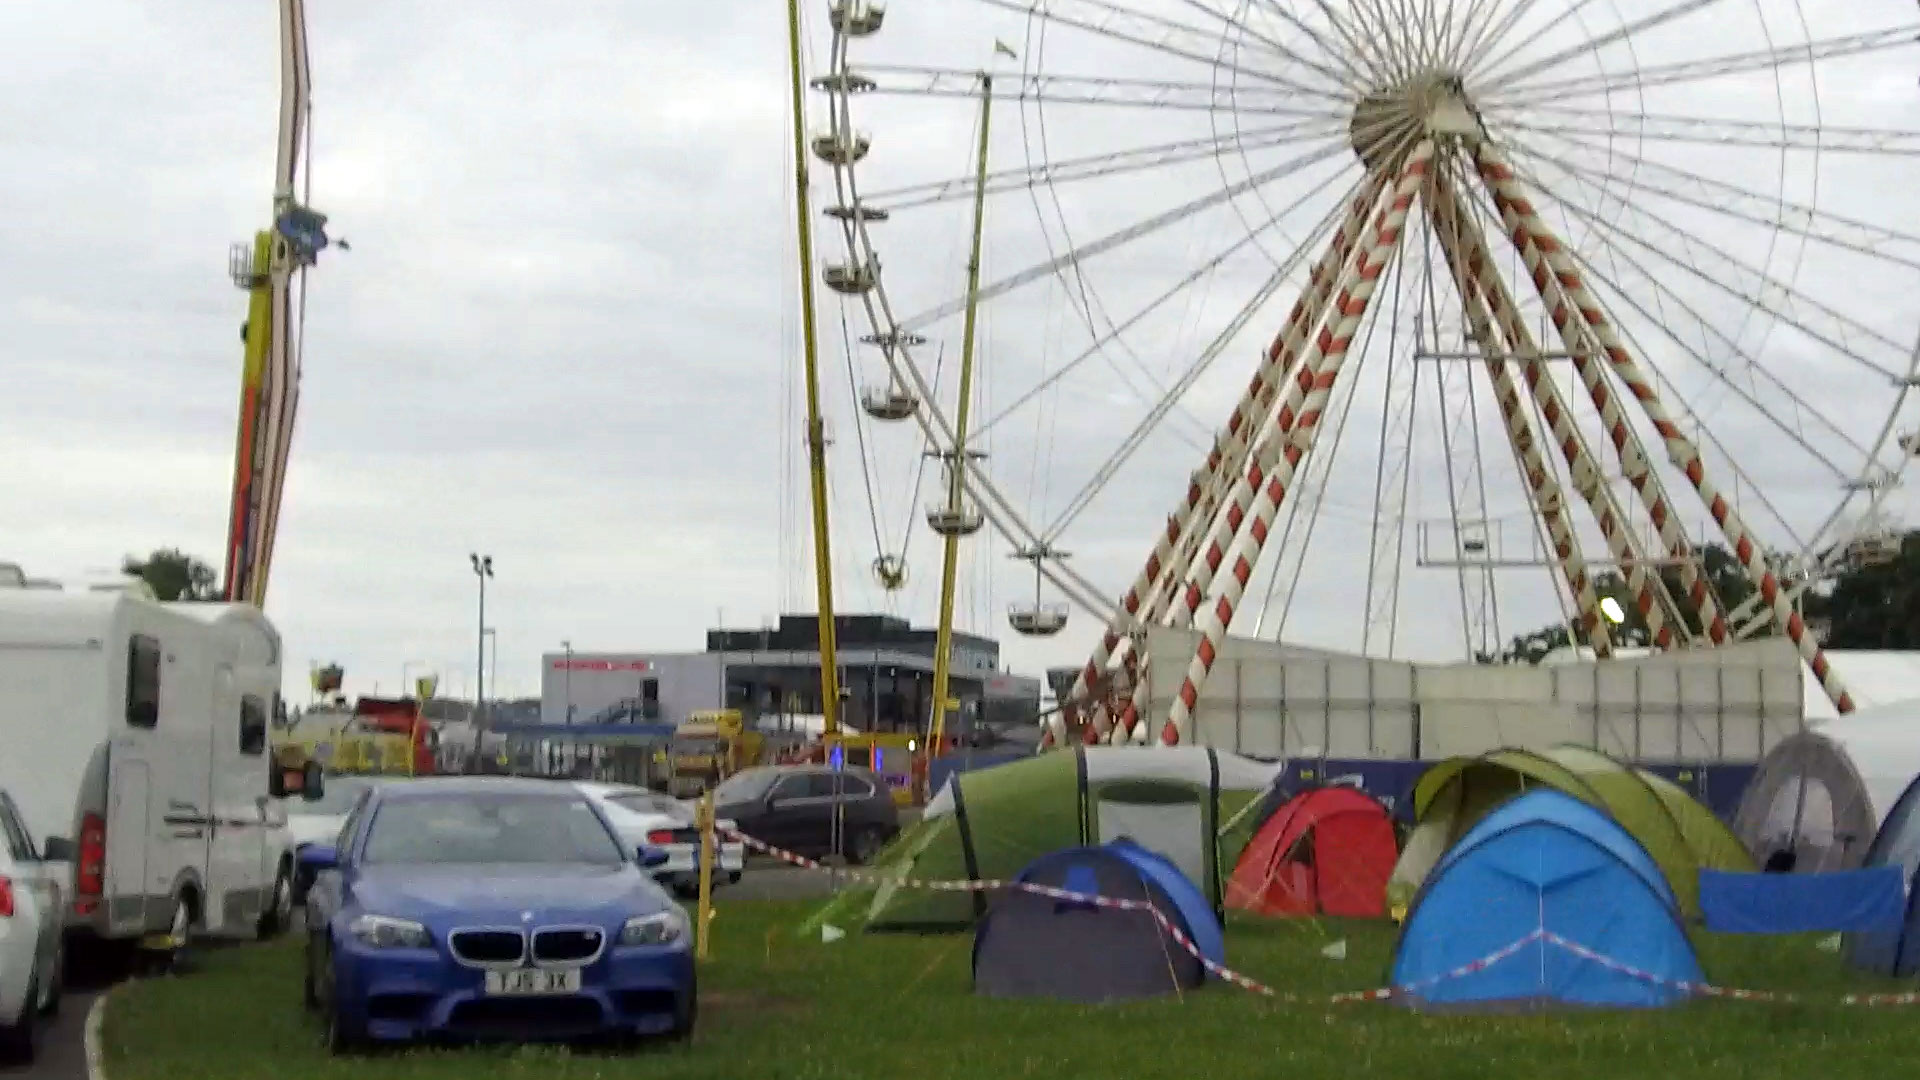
{"x":1554,"y":272}
{"x":1319,"y":369}
{"x":1209,"y":484}
{"x":1649,"y":593}
{"x":1461,"y":240}
{"x":1279,"y":371}
{"x":1565,"y":291}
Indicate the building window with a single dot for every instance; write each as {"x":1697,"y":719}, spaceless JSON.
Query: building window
{"x":650,"y":699}
{"x":143,"y":681}
{"x":253,"y":726}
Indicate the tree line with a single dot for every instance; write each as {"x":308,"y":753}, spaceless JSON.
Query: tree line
{"x":1872,"y":605}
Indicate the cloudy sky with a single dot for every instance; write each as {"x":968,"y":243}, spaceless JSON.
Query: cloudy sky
{"x":567,"y":333}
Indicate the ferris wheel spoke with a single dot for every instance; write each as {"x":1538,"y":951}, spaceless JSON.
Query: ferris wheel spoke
{"x":1350,"y":78}
{"x":1754,"y":288}
{"x":1596,"y":123}
{"x":1666,"y":299}
{"x":1467,"y":262}
{"x":1178,"y":289}
{"x":1793,"y":429}
{"x":908,"y":81}
{"x":1495,"y":73}
{"x":1359,"y":281}
{"x":1686,"y":71}
{"x":1865,"y":238}
{"x":1565,"y":281}
{"x":1124,"y":236}
{"x":1156,"y":33}
{"x":1312,"y":489}
{"x":1138,"y":436}
{"x":1097,"y":166}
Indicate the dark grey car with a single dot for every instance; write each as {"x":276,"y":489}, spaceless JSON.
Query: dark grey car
{"x":811,"y":810}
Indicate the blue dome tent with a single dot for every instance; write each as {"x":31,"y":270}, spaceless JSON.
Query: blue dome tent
{"x":1896,"y":949}
{"x":1029,"y":945}
{"x":1544,"y":863}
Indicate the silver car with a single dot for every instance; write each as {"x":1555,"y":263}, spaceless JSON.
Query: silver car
{"x":32,"y":908}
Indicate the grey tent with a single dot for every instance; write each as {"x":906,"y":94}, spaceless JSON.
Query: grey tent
{"x":1071,"y":949}
{"x":1818,"y":797}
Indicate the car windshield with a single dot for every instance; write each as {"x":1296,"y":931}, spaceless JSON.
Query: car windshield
{"x":745,"y":786}
{"x":489,"y":827}
{"x":691,"y":745}
{"x":335,"y":798}
{"x":647,"y":802}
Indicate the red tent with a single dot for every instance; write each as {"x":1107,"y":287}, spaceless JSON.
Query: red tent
{"x":1327,"y":851}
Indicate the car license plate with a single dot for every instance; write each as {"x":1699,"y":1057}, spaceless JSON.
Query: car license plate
{"x":533,"y":982}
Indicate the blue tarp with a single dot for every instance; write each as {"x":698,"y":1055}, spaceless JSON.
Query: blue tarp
{"x":1856,"y":900}
{"x":1545,"y":863}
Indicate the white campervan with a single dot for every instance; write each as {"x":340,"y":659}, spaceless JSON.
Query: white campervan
{"x":139,"y":730}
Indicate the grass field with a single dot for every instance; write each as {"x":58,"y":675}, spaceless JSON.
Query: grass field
{"x":900,"y":1008}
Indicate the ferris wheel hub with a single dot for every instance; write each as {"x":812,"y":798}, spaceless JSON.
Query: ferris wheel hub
{"x":1387,"y":120}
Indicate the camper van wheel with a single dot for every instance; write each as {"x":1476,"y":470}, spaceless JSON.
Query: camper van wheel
{"x":279,"y":912}
{"x":180,"y":930}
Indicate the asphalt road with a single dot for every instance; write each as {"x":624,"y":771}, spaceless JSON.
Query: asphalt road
{"x":769,"y":880}
{"x":63,"y":1053}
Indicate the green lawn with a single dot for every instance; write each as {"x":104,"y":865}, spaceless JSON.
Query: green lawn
{"x":900,"y":1008}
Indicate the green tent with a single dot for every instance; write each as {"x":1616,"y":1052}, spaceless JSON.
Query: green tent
{"x":1681,"y":835}
{"x":990,"y":824}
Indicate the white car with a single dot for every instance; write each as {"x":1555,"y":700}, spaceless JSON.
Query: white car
{"x":318,"y":821}
{"x":32,"y":907}
{"x":643,"y":816}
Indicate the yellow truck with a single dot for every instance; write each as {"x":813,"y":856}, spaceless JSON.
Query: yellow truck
{"x":709,"y":746}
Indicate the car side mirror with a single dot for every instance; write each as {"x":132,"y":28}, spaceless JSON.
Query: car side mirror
{"x":651,"y":856}
{"x":59,"y":849}
{"x":317,"y":857}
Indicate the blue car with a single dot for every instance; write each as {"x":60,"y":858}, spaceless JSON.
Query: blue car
{"x":491,"y":908}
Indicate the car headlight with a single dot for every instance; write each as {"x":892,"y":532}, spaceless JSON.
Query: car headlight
{"x":385,"y":932}
{"x":662,"y":928}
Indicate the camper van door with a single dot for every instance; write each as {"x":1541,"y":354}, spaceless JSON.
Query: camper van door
{"x":132,"y":825}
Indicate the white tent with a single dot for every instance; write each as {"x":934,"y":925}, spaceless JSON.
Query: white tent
{"x":1822,"y":794}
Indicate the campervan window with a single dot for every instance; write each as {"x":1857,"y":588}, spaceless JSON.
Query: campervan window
{"x":253,"y":725}
{"x":143,"y":681}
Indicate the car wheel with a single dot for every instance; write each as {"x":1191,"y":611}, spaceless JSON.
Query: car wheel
{"x":20,"y":1040}
{"x":865,"y":843}
{"x":279,"y":912}
{"x":342,"y":1036}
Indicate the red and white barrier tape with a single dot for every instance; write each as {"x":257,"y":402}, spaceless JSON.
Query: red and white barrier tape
{"x":1245,"y":982}
{"x":1167,"y":925}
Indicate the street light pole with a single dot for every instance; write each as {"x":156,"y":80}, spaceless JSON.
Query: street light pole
{"x":482,"y":569}
{"x":493,"y":665}
{"x":568,"y":678}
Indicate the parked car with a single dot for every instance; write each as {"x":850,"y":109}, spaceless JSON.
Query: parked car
{"x":642,"y":816}
{"x":811,"y":810}
{"x":491,"y":907}
{"x":319,"y":820}
{"x":33,"y":900}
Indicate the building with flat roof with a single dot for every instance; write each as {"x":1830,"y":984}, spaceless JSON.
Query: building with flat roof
{"x":773,"y":674}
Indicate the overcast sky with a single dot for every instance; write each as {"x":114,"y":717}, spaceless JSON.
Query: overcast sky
{"x":567,"y":333}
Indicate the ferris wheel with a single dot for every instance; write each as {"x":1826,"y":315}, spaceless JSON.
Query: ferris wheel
{"x":1498,"y":298}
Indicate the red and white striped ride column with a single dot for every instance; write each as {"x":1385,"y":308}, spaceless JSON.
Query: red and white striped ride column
{"x":1521,"y":435}
{"x":1207,"y":485}
{"x":1650,"y":597}
{"x":1330,"y":348}
{"x":1564,"y":287}
{"x":1549,"y":265}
